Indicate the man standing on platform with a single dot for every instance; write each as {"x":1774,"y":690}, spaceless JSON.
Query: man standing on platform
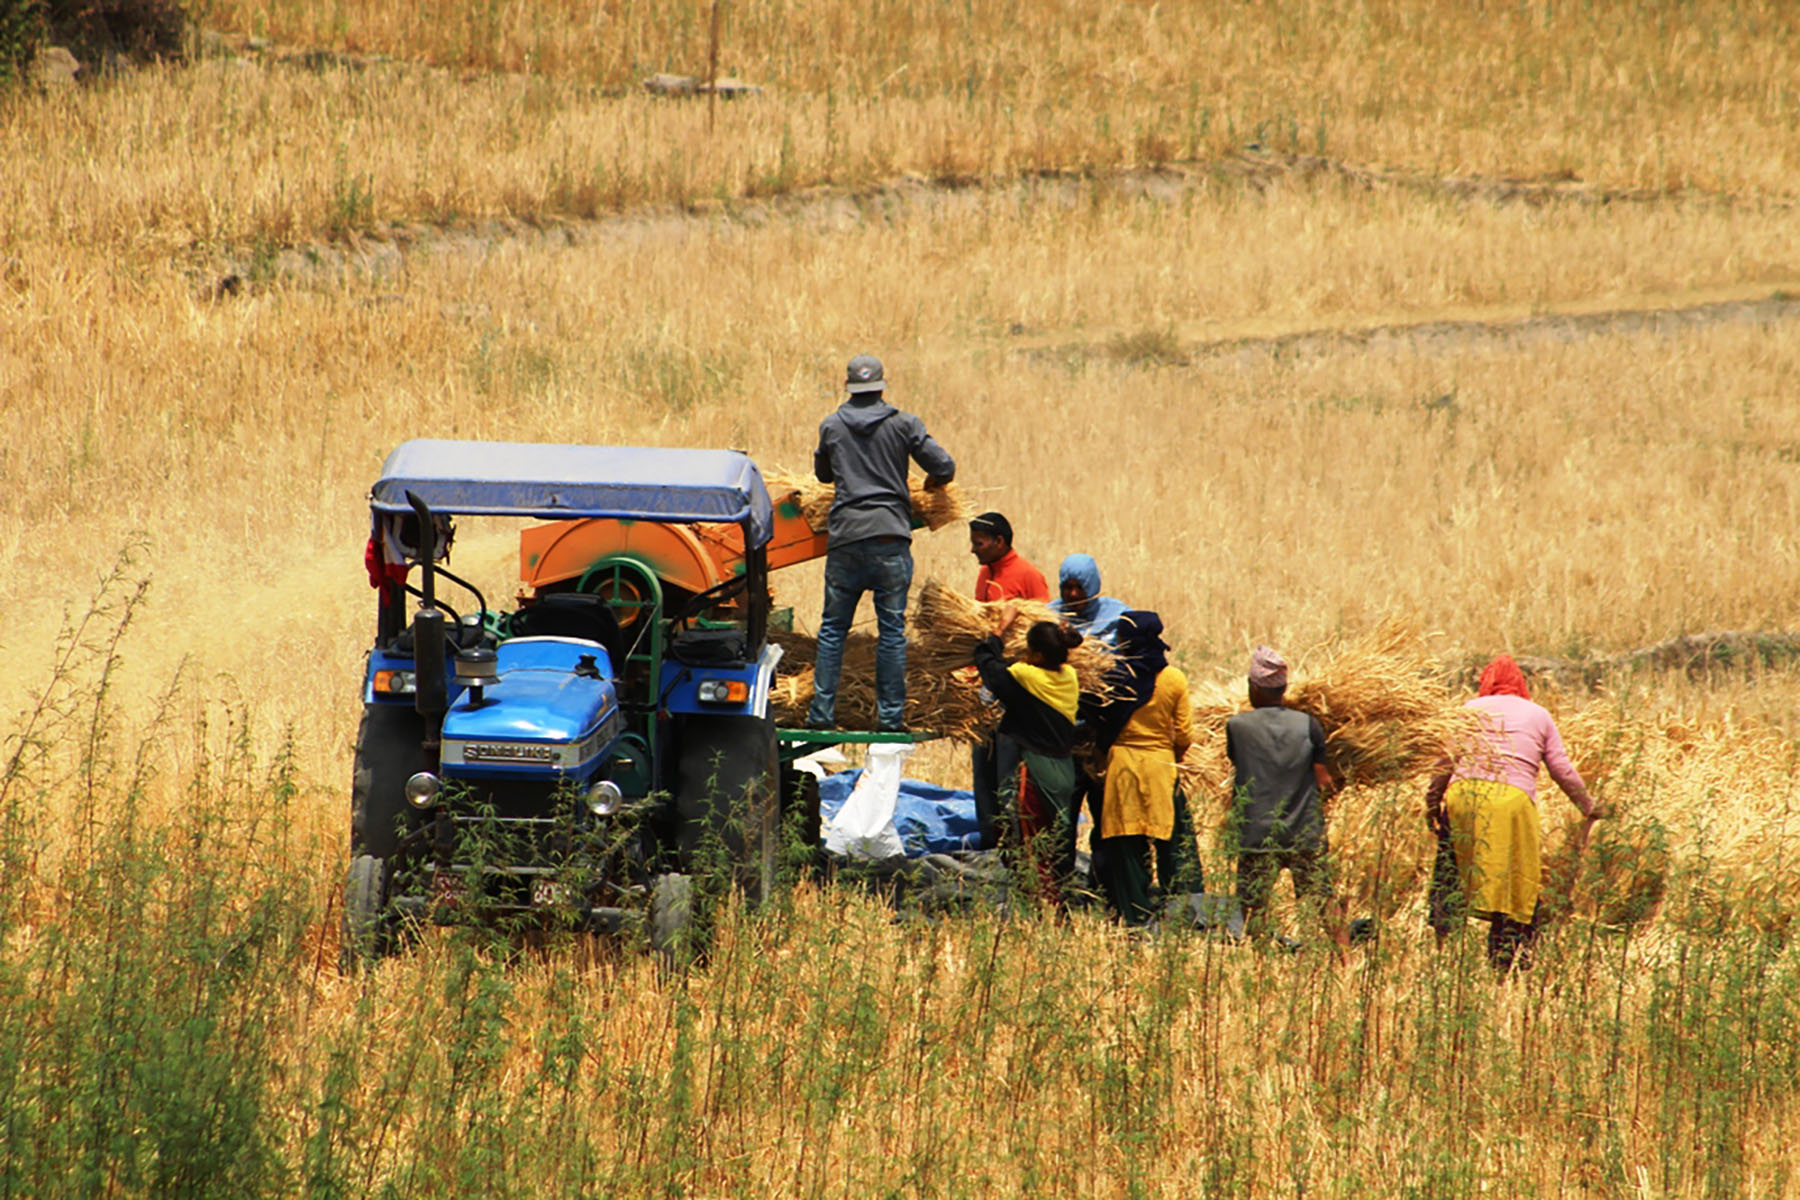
{"x":863,"y":451}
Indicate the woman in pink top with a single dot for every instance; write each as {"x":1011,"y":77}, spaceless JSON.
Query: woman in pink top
{"x":1484,"y":806}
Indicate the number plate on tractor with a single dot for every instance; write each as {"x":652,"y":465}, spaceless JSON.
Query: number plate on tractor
{"x":548,"y":893}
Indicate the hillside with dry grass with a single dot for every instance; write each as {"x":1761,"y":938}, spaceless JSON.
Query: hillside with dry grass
{"x":1307,"y":320}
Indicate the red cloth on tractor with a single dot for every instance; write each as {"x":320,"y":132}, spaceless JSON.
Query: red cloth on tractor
{"x":383,"y":575}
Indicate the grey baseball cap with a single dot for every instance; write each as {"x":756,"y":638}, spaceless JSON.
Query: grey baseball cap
{"x":864,"y":375}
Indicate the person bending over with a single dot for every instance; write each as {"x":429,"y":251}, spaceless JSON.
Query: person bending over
{"x":1484,"y":804}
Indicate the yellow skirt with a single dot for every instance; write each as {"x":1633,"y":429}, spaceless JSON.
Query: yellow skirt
{"x":1494,"y":829}
{"x":1140,"y":793}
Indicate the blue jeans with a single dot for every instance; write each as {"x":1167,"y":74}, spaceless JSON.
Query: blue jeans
{"x":884,"y":567}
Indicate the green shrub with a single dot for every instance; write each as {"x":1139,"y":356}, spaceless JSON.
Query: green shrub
{"x":21,"y":33}
{"x":92,"y":29}
{"x":139,"y":29}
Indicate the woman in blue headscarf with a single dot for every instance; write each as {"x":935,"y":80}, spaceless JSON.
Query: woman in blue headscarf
{"x":1081,"y":604}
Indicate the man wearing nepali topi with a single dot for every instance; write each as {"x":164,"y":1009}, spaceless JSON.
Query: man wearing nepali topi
{"x":1278,"y":799}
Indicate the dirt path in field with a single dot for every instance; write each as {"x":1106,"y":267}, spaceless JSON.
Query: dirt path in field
{"x":382,"y":255}
{"x":1263,"y":167}
{"x":1544,"y":328}
{"x":1696,"y":654}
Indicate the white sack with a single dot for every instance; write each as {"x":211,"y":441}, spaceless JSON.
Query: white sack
{"x":864,"y":827}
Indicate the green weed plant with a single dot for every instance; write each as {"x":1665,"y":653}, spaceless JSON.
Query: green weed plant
{"x":171,"y":1024}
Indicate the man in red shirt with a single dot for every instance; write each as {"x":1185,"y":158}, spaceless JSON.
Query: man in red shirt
{"x":1003,"y":575}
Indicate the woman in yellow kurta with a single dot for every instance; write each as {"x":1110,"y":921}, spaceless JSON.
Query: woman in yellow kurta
{"x":1143,"y":733}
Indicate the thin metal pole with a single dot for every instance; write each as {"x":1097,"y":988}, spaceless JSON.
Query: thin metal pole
{"x":712,"y":69}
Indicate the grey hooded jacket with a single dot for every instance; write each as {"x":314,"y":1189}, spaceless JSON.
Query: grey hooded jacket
{"x":863,"y":450}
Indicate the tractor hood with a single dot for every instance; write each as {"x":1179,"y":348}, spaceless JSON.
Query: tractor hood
{"x":553,"y":712}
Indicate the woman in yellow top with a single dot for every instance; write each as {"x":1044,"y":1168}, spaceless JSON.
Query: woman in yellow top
{"x":1143,"y":733}
{"x":1039,"y":695}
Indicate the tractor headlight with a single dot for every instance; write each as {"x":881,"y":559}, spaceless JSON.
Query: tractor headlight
{"x":722,"y":691}
{"x":603,"y":798}
{"x":422,"y":790}
{"x":395,"y":683}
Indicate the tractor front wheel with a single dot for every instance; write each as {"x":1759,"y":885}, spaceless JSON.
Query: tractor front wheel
{"x":671,"y":919}
{"x":365,"y":933}
{"x":389,"y":750}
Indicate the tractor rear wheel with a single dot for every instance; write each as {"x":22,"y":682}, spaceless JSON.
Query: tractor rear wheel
{"x":727,"y":799}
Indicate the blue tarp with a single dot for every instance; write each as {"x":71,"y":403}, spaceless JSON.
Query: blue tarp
{"x":518,"y":479}
{"x":929,"y":819}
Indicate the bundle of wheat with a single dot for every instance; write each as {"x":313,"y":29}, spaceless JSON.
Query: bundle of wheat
{"x":949,"y":625}
{"x":932,"y":507}
{"x":1702,"y":833}
{"x":938,"y":507}
{"x":809,"y":495}
{"x":942,"y":692}
{"x":1617,"y":874}
{"x":1386,"y":709}
{"x":1205,"y":771}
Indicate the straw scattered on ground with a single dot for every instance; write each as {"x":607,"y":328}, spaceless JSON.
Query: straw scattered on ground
{"x":937,"y":701}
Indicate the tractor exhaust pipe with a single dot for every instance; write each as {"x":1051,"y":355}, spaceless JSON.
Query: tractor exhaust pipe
{"x":431,"y":699}
{"x":427,"y":550}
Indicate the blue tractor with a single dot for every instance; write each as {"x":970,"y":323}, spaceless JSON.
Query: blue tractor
{"x":589,"y":750}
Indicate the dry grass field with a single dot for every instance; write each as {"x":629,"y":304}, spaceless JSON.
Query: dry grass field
{"x":1298,"y":316}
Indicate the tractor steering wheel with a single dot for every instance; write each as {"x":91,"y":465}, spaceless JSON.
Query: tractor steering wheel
{"x":718,"y":593}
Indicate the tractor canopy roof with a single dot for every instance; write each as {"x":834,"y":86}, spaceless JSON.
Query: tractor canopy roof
{"x":518,"y":479}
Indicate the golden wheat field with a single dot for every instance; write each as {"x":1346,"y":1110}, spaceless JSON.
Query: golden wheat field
{"x":1471,"y":327}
